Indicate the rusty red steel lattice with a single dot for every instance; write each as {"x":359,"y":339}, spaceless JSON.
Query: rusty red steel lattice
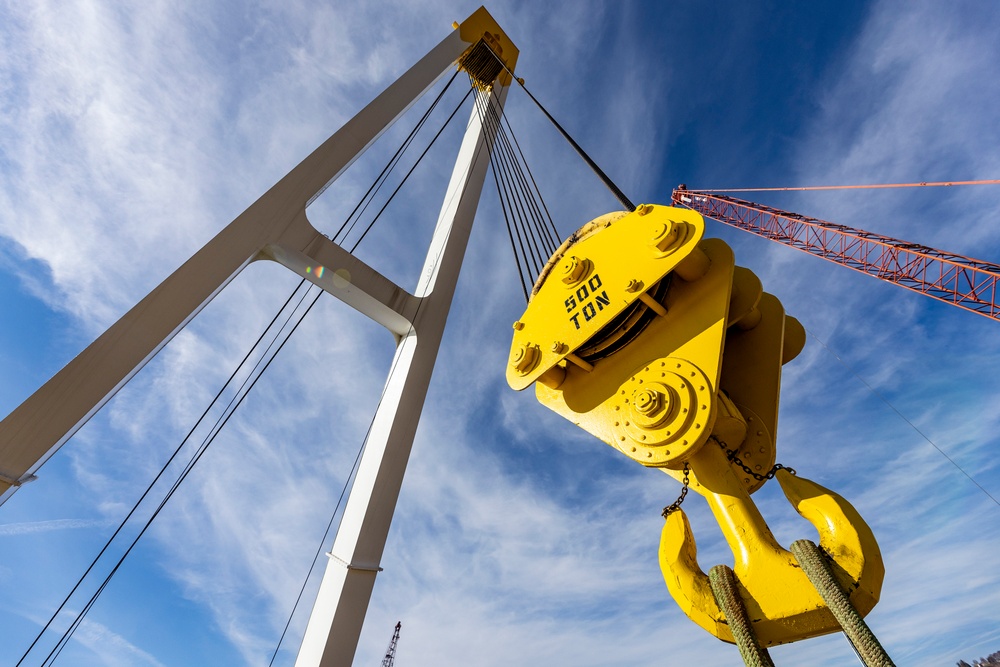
{"x":961,"y":281}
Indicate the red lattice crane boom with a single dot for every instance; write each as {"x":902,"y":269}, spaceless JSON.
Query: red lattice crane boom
{"x":961,"y":281}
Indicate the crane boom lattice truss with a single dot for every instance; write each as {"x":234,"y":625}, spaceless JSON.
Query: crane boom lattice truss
{"x":390,"y":653}
{"x":961,"y":281}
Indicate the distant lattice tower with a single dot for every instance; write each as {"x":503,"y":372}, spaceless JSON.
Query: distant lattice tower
{"x":390,"y":653}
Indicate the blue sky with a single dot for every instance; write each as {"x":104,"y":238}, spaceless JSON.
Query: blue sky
{"x":130,"y":135}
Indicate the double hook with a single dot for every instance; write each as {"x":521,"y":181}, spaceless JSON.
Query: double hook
{"x":782,"y":604}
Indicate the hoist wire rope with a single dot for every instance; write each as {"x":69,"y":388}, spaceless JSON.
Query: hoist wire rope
{"x":326,"y":534}
{"x":298,"y":599}
{"x":556,"y":238}
{"x":374,"y":188}
{"x":507,"y":208}
{"x":515,"y":203}
{"x":546,"y":242}
{"x":228,"y":411}
{"x":535,"y":200}
{"x":899,"y":414}
{"x":408,"y":173}
{"x":532,"y":210}
{"x":160,"y":474}
{"x":510,"y":235}
{"x":531,"y":256}
{"x":518,"y":201}
{"x":876,"y":186}
{"x":615,"y":190}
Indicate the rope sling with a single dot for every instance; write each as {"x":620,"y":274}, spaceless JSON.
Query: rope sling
{"x":816,"y":566}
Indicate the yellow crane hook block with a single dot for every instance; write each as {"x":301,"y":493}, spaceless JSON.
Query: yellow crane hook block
{"x":648,"y":336}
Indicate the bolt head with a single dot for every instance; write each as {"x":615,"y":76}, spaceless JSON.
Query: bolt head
{"x":523,"y":358}
{"x":518,"y":325}
{"x":572,"y":269}
{"x":517,"y":355}
{"x":647,"y":401}
{"x":663,"y":234}
{"x":633,"y":286}
{"x":558,"y":347}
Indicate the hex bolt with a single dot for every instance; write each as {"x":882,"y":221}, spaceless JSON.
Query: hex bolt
{"x":572,"y":269}
{"x":647,"y":401}
{"x":663,"y":235}
{"x":517,"y":355}
{"x":633,"y":286}
{"x":524,"y":358}
{"x":518,"y":325}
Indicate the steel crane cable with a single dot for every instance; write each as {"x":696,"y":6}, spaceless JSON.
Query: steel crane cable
{"x":899,"y":414}
{"x":234,"y":402}
{"x":369,"y":196}
{"x":525,"y":213}
{"x":408,"y":173}
{"x":260,"y":366}
{"x":556,"y":238}
{"x":543,"y":226}
{"x":727,"y":595}
{"x":510,"y":199}
{"x":160,"y":474}
{"x":508,"y":203}
{"x":615,"y":190}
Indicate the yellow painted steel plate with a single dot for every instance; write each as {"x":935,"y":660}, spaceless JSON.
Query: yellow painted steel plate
{"x":595,"y":281}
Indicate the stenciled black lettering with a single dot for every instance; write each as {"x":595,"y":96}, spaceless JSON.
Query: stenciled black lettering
{"x":588,"y":312}
{"x":570,"y":304}
{"x":575,"y":320}
{"x":582,"y":293}
{"x":602,"y":300}
{"x":595,"y":283}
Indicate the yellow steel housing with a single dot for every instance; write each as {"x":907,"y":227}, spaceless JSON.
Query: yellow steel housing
{"x":651,"y":338}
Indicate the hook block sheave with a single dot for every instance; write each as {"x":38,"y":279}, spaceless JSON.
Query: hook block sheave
{"x":650,"y":337}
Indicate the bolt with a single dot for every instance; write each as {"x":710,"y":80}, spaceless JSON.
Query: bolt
{"x":633,"y":286}
{"x":663,"y":234}
{"x":524,"y":358}
{"x":558,"y":347}
{"x":518,"y":325}
{"x":643,"y":209}
{"x":647,"y":401}
{"x":573,"y":269}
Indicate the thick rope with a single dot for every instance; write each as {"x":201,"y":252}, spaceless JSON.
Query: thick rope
{"x":727,"y":596}
{"x":816,"y":566}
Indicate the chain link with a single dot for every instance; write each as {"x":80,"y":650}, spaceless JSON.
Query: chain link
{"x":733,"y":458}
{"x":676,"y":505}
{"x":731,"y":455}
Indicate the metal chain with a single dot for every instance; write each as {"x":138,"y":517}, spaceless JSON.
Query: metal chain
{"x":731,"y":455}
{"x":733,"y":458}
{"x":676,"y":505}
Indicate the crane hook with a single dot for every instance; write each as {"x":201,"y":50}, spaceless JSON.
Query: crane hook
{"x":782,"y":604}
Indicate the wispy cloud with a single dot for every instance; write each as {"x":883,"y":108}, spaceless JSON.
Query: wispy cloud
{"x":129,"y":137}
{"x":15,"y":529}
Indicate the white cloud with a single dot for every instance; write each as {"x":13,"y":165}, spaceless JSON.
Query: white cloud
{"x":518,"y":539}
